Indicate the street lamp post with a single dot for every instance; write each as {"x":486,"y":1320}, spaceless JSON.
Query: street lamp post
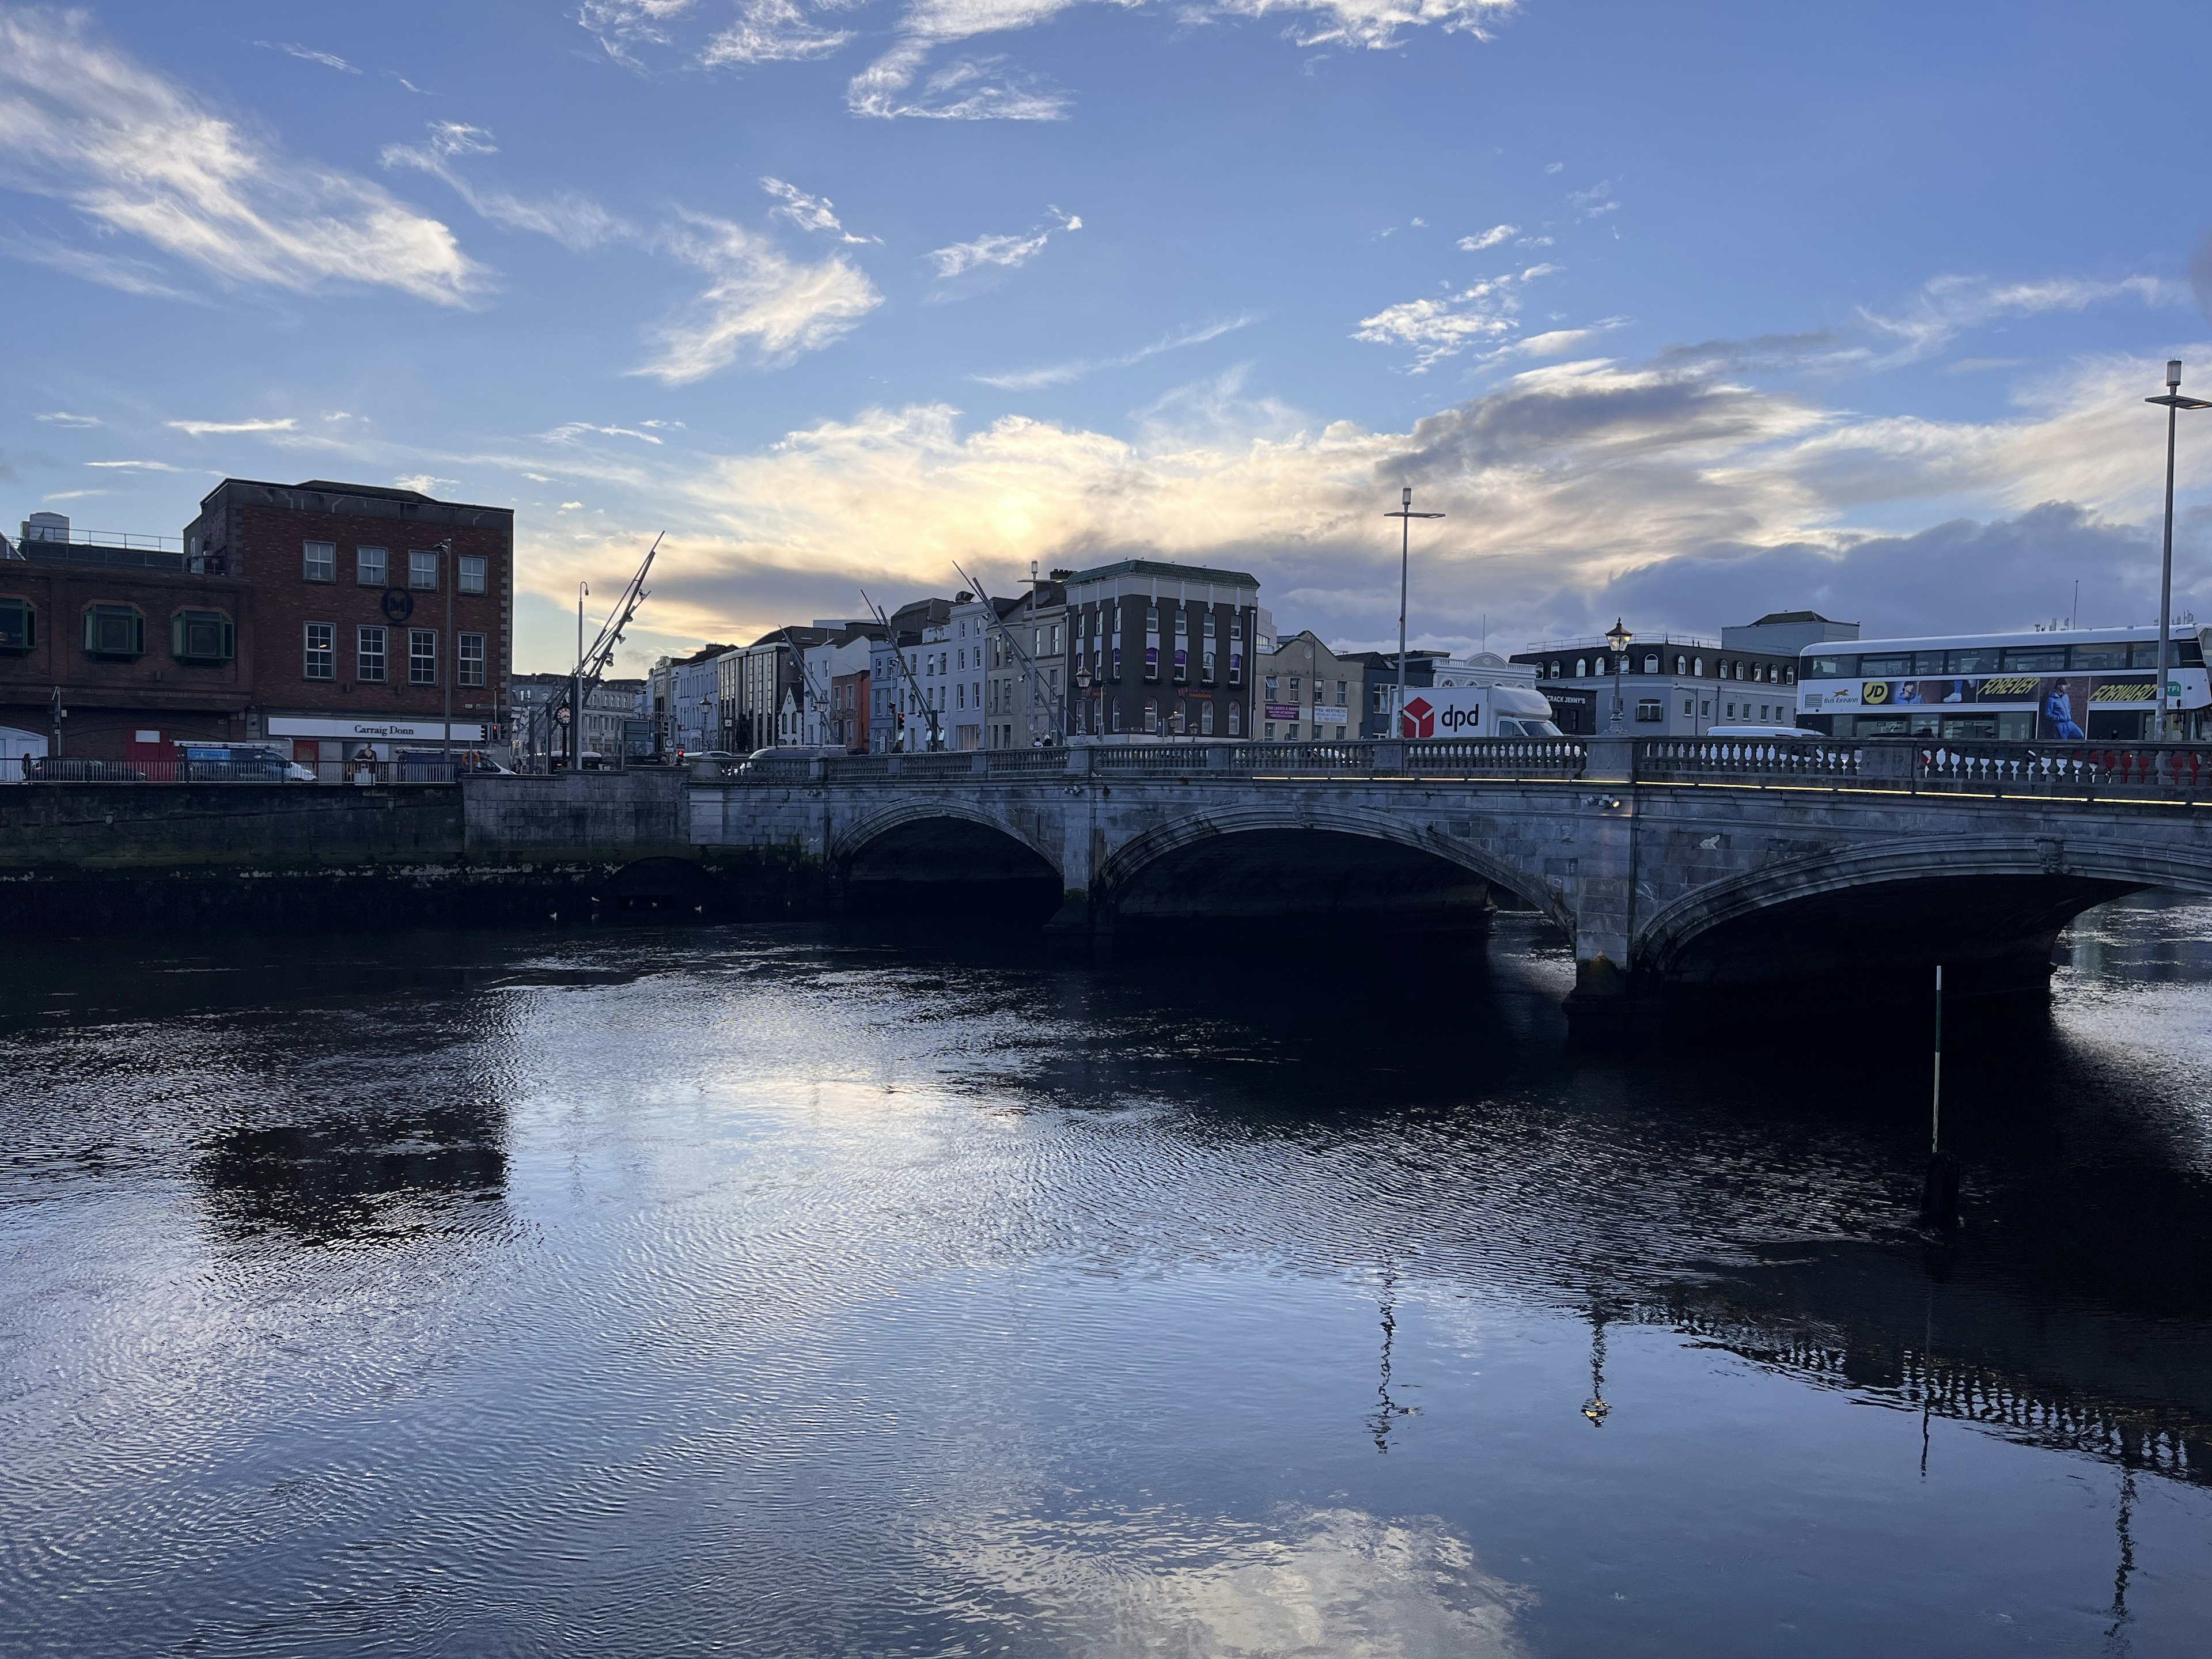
{"x":576,"y":688}
{"x":451,"y":650}
{"x":2175,"y":403}
{"x":1620,"y":639}
{"x":1405,"y":515}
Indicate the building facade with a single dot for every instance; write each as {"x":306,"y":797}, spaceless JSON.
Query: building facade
{"x":1160,"y":652}
{"x":1669,"y":685}
{"x":1308,"y":694}
{"x":372,"y":607}
{"x":1026,"y":696}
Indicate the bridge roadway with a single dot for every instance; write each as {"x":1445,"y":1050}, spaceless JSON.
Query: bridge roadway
{"x":1671,"y":863}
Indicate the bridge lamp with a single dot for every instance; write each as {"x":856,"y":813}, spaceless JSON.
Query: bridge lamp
{"x":2175,"y":403}
{"x":1405,"y":515}
{"x":1620,"y":639}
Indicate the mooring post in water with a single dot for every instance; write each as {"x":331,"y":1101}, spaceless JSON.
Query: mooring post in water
{"x":1939,"y":1194}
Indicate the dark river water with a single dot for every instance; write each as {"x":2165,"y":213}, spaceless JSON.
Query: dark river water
{"x":771,"y":1291}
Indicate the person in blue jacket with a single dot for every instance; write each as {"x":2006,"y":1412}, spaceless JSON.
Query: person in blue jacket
{"x":2058,"y":709}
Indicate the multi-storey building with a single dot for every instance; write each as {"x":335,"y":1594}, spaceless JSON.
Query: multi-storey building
{"x":1160,"y":652}
{"x":372,"y":608}
{"x":844,"y":655}
{"x":1307,"y":692}
{"x":1026,"y":696}
{"x":1680,"y":685}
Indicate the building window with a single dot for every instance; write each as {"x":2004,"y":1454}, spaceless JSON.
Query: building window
{"x":472,"y":568}
{"x":1236,"y":719}
{"x":1697,"y":667}
{"x":319,"y":562}
{"x":19,"y":626}
{"x":1690,"y":705}
{"x":1271,"y":731}
{"x":202,"y":636}
{"x":472,"y":660}
{"x":371,"y":566}
{"x":1651,"y":662}
{"x":1205,"y":718}
{"x":422,"y":569}
{"x":114,"y":630}
{"x":1650,"y":709}
{"x":1682,"y":663}
{"x":1582,"y":668}
{"x":1151,"y":717}
{"x":368,"y":656}
{"x":321,"y":642}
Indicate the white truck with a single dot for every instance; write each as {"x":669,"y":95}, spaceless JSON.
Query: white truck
{"x":1476,"y":711}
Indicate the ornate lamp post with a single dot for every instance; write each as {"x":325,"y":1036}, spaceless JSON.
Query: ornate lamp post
{"x":1405,"y":515}
{"x":1620,"y":639}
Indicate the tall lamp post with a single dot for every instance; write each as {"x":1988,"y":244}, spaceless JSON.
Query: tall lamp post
{"x":1620,"y":639}
{"x":2175,"y":403}
{"x":1405,"y":515}
{"x":576,"y":687}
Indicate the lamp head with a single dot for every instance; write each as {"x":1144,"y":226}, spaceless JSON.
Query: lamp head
{"x":2172,"y":374}
{"x":1618,"y":636}
{"x":1406,"y":497}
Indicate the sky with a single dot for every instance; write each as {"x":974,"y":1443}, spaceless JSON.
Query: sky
{"x":1682,"y":313}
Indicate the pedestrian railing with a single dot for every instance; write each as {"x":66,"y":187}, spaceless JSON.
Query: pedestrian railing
{"x":2109,"y":770}
{"x":1694,"y":760}
{"x":83,"y":769}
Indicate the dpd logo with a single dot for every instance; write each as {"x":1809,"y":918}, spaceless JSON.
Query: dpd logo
{"x":1420,"y":718}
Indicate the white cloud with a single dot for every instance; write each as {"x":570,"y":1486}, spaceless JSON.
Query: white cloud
{"x":576,"y":429}
{"x":1591,"y":203}
{"x":202,"y":428}
{"x":1555,"y":167}
{"x":136,"y":466}
{"x":1030,"y":379}
{"x":569,"y":507}
{"x":1947,"y":307}
{"x":73,"y":421}
{"x":75,"y":495}
{"x":809,"y":212}
{"x":1534,"y":241}
{"x":1445,"y":328}
{"x":1374,"y":24}
{"x":1489,"y":238}
{"x":759,"y":300}
{"x":422,"y":483}
{"x":328,"y":60}
{"x":966,"y":89}
{"x":1008,"y":251}
{"x":571,"y":219}
{"x":772,"y":31}
{"x":664,"y":426}
{"x":620,"y":26}
{"x":121,"y":273}
{"x":83,"y":123}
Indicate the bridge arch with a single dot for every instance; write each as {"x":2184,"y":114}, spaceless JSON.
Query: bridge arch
{"x":1265,"y":858}
{"x":929,"y":852}
{"x":1994,"y":905}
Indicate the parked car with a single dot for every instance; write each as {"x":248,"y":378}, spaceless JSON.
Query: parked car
{"x":238,"y":762}
{"x":72,"y":769}
{"x":1770,"y":733}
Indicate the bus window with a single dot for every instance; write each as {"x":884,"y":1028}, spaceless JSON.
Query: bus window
{"x":1982,"y":662}
{"x":2113,"y":655}
{"x":1825,"y":668}
{"x":1928,"y":662}
{"x":2143,"y":654}
{"x":1899,"y":662}
{"x":2188,"y":654}
{"x":2035,"y":659}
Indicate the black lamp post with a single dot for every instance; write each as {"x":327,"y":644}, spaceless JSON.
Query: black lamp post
{"x":1620,"y":639}
{"x":2175,"y":403}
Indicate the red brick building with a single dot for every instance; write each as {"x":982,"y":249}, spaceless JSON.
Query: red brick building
{"x":328,"y":616}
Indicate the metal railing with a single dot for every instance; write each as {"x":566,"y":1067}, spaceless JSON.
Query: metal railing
{"x":1446,"y":757}
{"x":2083,"y":770}
{"x":81,"y":769}
{"x":1691,"y":760}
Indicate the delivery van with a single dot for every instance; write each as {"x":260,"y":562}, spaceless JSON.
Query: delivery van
{"x":1476,"y":711}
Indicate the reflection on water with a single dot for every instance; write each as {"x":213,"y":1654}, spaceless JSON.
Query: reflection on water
{"x":768,"y":1289}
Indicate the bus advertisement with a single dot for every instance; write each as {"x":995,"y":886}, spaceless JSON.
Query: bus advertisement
{"x":2088,"y":684}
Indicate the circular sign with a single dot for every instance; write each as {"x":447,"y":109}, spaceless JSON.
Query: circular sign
{"x":561,"y":715}
{"x":399,"y":605}
{"x":1877,"y":691}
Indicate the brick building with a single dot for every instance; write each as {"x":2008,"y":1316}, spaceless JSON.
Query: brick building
{"x":364,"y":602}
{"x":1161,"y":650}
{"x":115,"y":651}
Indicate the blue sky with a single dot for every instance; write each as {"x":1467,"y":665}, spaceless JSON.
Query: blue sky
{"x":1690,"y":311}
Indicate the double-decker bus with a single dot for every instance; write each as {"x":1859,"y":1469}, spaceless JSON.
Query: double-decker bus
{"x":2067,"y":683}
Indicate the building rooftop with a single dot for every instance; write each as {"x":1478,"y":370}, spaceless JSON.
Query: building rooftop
{"x":1166,"y":571}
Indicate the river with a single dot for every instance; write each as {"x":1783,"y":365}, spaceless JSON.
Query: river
{"x":780,"y":1290}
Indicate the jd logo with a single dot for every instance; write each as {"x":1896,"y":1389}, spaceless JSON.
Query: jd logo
{"x":1877,"y":691}
{"x":1420,"y":718}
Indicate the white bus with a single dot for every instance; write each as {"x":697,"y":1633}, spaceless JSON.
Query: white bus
{"x":2098,"y":684}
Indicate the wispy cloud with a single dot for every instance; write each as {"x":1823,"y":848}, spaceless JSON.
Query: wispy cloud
{"x":422,"y":483}
{"x":966,"y":89}
{"x":1031,"y":380}
{"x":664,"y":426}
{"x":621,"y":26}
{"x":1373,"y":25}
{"x":1484,"y":314}
{"x":809,"y":212}
{"x":1947,"y":307}
{"x":292,"y":48}
{"x":75,"y":495}
{"x":203,"y":429}
{"x":574,"y":429}
{"x":759,"y":301}
{"x":572,"y":220}
{"x":136,"y":466}
{"x":73,"y":421}
{"x":82,"y":122}
{"x":770,"y":31}
{"x":1489,"y":238}
{"x":1590,"y":203}
{"x":1008,"y":251}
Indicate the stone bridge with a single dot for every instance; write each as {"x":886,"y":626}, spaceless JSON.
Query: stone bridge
{"x":1670,"y":864}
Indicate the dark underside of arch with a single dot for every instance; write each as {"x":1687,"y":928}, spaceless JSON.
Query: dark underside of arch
{"x":1880,"y":943}
{"x":1327,"y":878}
{"x":932,"y":866}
